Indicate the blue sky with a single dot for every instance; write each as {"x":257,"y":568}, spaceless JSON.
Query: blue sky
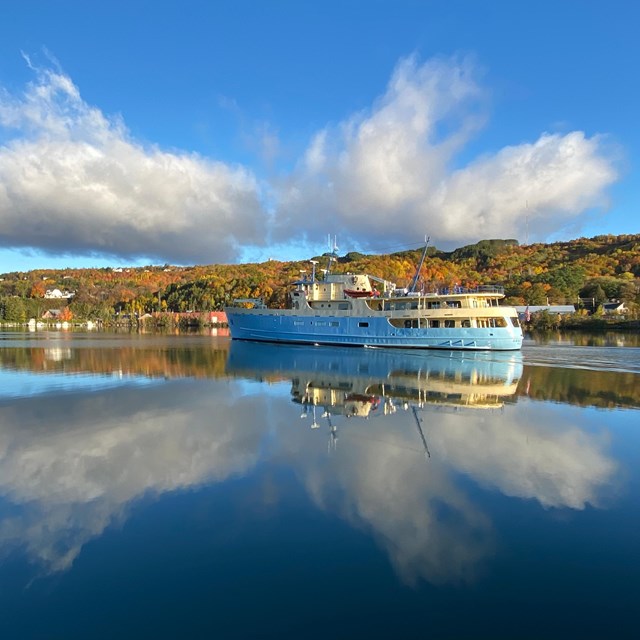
{"x":199,"y":132}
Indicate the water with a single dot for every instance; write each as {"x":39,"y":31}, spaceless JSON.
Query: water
{"x":186,"y":486}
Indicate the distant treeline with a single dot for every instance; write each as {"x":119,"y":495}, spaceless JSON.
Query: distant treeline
{"x":593,"y":269}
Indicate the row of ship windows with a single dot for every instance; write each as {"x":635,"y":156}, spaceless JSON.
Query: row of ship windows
{"x":342,"y":306}
{"x":325,"y":323}
{"x":413,"y":304}
{"x":392,"y":306}
{"x":482,"y":323}
{"x":433,"y":324}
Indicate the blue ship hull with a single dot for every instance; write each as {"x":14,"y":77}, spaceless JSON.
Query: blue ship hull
{"x":259,"y":360}
{"x":360,"y":331}
{"x":351,"y":381}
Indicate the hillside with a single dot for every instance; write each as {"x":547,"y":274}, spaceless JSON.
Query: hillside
{"x":599,"y":268}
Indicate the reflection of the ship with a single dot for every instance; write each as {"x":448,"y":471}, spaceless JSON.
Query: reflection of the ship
{"x":369,"y":382}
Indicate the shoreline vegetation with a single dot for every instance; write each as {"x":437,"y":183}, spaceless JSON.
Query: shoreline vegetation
{"x":160,"y":321}
{"x":588,"y":273}
{"x":544,"y":321}
{"x":541,"y":322}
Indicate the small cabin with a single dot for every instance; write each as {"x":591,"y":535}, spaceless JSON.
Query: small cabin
{"x":614,"y":308}
{"x":51,"y":314}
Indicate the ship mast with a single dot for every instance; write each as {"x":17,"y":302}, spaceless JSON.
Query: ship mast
{"x":416,"y":277}
{"x":332,"y":253}
{"x":313,"y":270}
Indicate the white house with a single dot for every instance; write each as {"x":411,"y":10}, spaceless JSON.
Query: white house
{"x":614,"y":308}
{"x":57,"y":294}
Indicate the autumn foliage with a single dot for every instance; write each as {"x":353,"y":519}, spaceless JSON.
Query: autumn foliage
{"x":604,"y":267}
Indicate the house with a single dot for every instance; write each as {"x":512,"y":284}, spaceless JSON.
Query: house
{"x":51,"y":314}
{"x":614,"y":308}
{"x":217,"y":317}
{"x":57,"y":294}
{"x":553,"y":309}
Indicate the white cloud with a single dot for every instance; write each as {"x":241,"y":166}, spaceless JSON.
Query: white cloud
{"x":73,"y":181}
{"x":389,"y":174}
{"x":558,"y":177}
{"x":105,"y":450}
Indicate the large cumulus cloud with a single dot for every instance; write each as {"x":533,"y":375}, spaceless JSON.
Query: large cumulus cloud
{"x":74,"y":181}
{"x":399,"y":170}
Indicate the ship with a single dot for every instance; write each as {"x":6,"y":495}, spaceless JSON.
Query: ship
{"x":361,"y":310}
{"x":329,"y":383}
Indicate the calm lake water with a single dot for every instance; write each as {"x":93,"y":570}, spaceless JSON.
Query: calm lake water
{"x":189,"y":487}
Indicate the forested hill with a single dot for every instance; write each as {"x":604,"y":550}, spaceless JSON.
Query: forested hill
{"x":603,"y":267}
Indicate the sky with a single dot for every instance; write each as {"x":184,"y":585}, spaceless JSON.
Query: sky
{"x":194,"y":132}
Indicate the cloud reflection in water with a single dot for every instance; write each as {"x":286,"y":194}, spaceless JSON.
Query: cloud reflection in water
{"x":72,"y":465}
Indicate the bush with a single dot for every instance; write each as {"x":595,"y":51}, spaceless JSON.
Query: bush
{"x":545,"y":321}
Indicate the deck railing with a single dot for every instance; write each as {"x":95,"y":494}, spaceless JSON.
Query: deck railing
{"x":483,"y":288}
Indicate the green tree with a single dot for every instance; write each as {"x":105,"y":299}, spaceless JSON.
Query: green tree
{"x":14,"y":310}
{"x":537,"y":294}
{"x":565,"y":281}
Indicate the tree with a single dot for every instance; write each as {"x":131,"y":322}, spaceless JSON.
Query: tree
{"x":38,"y":289}
{"x":544,"y":321}
{"x":537,"y":294}
{"x":14,"y":310}
{"x":603,"y":289}
{"x":596,"y":292}
{"x":565,"y":281}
